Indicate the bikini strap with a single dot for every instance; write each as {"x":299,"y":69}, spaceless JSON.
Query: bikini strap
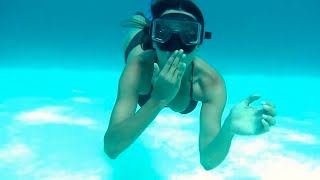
{"x":192,"y":71}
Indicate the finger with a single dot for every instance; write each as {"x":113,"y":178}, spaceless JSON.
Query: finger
{"x":250,"y":99}
{"x":180,"y":67}
{"x":269,"y":119}
{"x":155,"y":72}
{"x":170,"y":61}
{"x":269,"y":110}
{"x":175,"y":63}
{"x":268,"y":103}
{"x":259,"y":110}
{"x":180,"y":71}
{"x":265,"y":126}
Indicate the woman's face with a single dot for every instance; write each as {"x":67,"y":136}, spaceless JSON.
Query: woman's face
{"x":163,"y":56}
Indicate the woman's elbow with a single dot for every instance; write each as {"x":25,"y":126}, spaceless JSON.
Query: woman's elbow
{"x":207,"y":165}
{"x":109,"y":149}
{"x":109,"y":152}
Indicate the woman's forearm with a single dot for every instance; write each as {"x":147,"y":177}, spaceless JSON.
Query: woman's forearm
{"x":217,"y":149}
{"x":122,"y":135}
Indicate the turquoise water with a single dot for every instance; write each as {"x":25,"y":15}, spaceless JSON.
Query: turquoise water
{"x":59,"y":73}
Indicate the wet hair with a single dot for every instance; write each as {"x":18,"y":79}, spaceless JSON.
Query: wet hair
{"x":160,"y":6}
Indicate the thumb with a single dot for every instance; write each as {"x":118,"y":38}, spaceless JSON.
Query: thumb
{"x":155,"y":72}
{"x":250,"y":99}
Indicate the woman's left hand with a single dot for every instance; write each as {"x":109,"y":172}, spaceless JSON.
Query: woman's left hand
{"x":246,"y":120}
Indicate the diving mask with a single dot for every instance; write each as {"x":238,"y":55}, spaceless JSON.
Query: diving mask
{"x":174,"y":31}
{"x":189,"y":32}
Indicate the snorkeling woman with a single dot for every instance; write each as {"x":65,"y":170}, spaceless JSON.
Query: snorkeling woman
{"x":163,"y":70}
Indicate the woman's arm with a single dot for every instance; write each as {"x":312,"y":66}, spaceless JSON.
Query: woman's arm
{"x":214,"y":140}
{"x":125,"y":124}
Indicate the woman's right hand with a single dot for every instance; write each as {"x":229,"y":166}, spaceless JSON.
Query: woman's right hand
{"x":166,"y":83}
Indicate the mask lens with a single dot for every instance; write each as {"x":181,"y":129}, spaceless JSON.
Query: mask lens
{"x":189,"y":31}
{"x":161,"y":31}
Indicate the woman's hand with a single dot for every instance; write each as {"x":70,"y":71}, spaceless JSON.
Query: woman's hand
{"x":246,"y":120}
{"x":166,"y":83}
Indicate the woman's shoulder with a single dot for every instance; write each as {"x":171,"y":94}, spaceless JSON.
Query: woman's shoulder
{"x":206,"y":77}
{"x":148,"y":57}
{"x":205,"y":71}
{"x":142,"y":65}
{"x":144,"y":57}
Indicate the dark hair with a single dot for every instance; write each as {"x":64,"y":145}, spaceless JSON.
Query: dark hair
{"x":160,"y":6}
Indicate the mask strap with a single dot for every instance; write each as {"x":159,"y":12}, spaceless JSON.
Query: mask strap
{"x":207,"y":35}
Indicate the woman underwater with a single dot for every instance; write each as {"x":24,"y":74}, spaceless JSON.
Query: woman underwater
{"x":163,"y":70}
